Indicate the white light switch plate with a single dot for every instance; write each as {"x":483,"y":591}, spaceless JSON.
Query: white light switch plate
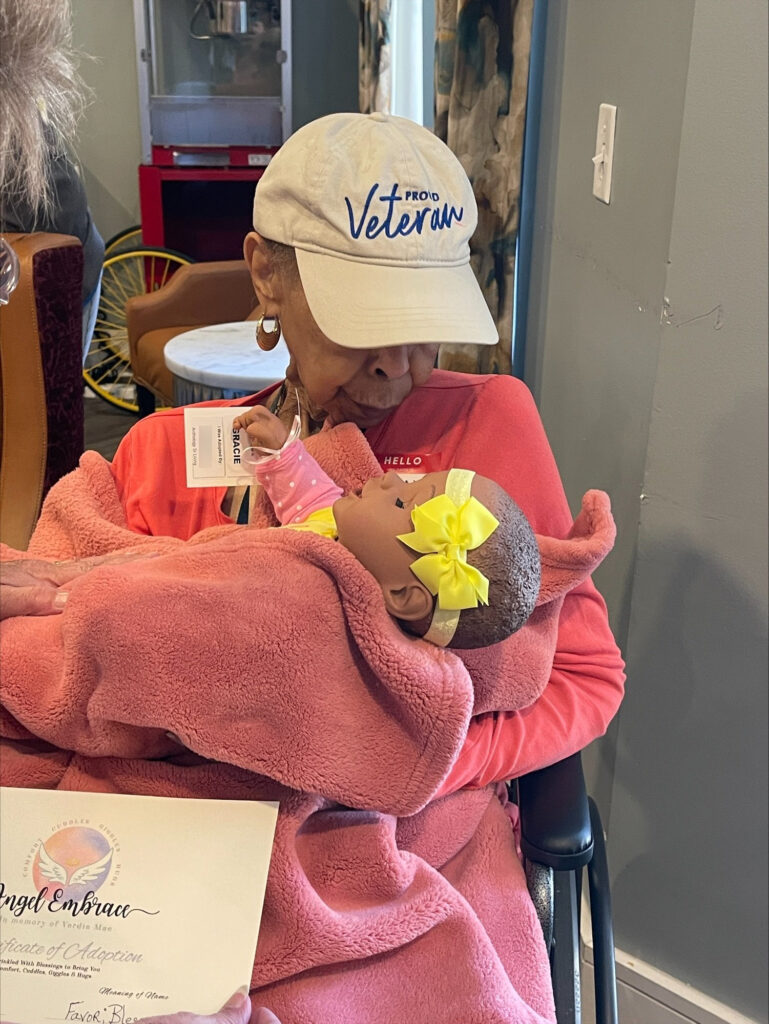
{"x":603,"y":161}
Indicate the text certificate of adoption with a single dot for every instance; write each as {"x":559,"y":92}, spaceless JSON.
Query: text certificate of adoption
{"x":116,"y":907}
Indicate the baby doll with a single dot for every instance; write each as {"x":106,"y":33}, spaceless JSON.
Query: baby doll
{"x":455,"y":557}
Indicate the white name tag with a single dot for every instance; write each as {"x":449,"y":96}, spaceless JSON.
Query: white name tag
{"x":213,"y":450}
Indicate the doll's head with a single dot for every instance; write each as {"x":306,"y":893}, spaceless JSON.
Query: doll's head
{"x":454,"y":555}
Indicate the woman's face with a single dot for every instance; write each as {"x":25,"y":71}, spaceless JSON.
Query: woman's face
{"x":361,"y":386}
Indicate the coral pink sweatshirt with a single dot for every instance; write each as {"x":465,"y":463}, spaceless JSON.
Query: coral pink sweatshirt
{"x":486,"y":423}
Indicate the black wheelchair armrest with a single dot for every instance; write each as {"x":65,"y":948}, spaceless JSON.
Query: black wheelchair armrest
{"x":555,"y":816}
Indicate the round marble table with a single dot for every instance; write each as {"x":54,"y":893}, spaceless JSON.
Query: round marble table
{"x":222,"y":361}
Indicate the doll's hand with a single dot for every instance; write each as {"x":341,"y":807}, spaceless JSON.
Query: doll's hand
{"x":263,"y":428}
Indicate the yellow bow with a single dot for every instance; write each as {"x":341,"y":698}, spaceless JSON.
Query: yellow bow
{"x":444,"y":532}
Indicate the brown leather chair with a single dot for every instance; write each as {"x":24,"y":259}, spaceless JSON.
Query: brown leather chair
{"x":41,"y":378}
{"x":197,"y":295}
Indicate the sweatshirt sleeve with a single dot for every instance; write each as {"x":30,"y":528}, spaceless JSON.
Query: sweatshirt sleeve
{"x":582,"y":696}
{"x":587,"y":679}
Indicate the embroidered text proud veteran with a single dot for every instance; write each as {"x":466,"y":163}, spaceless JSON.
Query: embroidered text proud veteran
{"x":436,"y":217}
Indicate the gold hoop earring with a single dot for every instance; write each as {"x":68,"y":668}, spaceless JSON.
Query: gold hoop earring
{"x":269,"y":325}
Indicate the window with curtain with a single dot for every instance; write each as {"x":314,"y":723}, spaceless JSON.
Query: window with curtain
{"x":479,"y":51}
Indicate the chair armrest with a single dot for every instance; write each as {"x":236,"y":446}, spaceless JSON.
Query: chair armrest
{"x":197,"y":294}
{"x":555,"y":817}
{"x":41,"y":383}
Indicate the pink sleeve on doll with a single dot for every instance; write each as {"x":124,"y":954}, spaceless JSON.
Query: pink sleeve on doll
{"x":295,"y":483}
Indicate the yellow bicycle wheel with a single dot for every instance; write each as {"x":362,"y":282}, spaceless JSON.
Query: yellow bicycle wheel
{"x":107,"y":369}
{"x":129,"y":238}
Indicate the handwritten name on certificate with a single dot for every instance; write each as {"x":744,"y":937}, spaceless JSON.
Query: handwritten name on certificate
{"x":116,"y":907}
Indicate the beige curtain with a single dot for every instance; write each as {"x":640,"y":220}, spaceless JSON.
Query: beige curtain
{"x":374,"y":73}
{"x":481,"y":73}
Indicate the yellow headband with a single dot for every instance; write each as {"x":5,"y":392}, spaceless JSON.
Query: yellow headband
{"x":445,"y":528}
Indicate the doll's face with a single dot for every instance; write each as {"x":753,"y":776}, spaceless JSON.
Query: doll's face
{"x":368,"y":526}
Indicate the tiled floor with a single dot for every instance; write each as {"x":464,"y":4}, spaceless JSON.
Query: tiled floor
{"x":105,"y":425}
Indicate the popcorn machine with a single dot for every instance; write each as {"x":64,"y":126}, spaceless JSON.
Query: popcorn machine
{"x":215,"y":104}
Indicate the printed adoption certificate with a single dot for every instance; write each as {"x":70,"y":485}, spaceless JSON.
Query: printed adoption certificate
{"x":116,"y":907}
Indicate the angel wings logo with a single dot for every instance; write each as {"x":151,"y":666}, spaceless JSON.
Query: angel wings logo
{"x":75,"y":860}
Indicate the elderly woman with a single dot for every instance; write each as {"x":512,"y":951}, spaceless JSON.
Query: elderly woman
{"x":360,"y":259}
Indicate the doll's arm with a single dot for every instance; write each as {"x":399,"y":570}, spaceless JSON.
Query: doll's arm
{"x":295,"y":484}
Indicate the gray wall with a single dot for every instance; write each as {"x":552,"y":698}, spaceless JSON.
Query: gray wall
{"x":325,"y":79}
{"x":647,"y":354}
{"x":109,"y":143}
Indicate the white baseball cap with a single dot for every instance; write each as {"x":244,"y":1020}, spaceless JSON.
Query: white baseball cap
{"x":380,"y":213}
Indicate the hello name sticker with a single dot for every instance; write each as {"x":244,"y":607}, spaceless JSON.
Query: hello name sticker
{"x":410,"y":466}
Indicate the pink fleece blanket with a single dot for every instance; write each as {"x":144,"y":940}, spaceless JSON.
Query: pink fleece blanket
{"x":271,"y":657}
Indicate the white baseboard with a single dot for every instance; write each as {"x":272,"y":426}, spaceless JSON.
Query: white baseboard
{"x":646,"y":995}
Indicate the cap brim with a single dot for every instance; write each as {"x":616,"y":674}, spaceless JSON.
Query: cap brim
{"x":366,"y":305}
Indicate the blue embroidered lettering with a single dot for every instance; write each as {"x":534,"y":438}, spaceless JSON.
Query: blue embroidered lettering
{"x":391,"y":199}
{"x":419,"y":219}
{"x":355,"y":232}
{"x":373,"y":226}
{"x":403,"y":225}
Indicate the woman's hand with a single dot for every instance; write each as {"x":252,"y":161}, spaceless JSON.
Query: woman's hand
{"x":263,"y":428}
{"x":32,"y":586}
{"x":237,"y":1010}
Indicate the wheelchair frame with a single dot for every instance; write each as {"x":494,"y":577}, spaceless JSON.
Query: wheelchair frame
{"x":561,"y":834}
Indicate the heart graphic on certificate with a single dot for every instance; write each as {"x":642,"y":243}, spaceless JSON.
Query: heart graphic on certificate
{"x":75,"y":860}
